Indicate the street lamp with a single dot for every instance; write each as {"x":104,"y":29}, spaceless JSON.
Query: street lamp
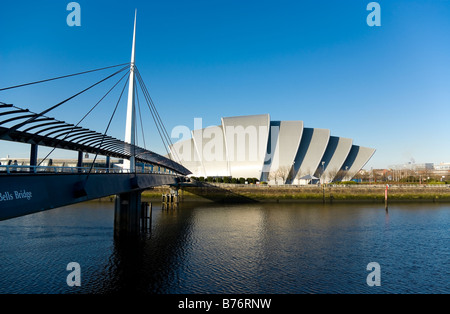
{"x":323,"y":171}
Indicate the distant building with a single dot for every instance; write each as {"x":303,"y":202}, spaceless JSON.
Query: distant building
{"x":413,"y":166}
{"x":442,"y":166}
{"x":425,"y":171}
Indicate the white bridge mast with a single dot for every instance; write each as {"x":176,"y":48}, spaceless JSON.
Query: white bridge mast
{"x":131,"y":114}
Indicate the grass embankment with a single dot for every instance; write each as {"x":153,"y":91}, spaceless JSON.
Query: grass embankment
{"x":373,"y":193}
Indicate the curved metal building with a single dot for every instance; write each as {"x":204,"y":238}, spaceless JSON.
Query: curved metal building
{"x":274,"y":151}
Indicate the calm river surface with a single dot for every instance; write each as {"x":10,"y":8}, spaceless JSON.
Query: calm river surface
{"x":237,"y":249}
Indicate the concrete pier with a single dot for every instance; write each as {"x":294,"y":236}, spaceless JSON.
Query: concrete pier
{"x":127,"y":214}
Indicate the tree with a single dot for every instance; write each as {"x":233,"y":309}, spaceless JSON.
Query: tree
{"x":283,"y":173}
{"x":331,"y":175}
{"x":272,"y":176}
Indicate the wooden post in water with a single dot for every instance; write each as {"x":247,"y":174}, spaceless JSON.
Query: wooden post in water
{"x":323,"y":192}
{"x":146,"y":216}
{"x":386,"y":197}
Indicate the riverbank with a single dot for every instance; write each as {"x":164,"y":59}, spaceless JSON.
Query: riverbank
{"x":330,"y":193}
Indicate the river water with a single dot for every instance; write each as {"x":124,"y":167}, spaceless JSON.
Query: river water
{"x":235,"y":249}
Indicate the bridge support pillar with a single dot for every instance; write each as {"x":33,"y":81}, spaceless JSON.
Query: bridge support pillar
{"x":127,"y":214}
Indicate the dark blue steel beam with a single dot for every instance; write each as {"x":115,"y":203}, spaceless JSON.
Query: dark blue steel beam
{"x":24,"y":194}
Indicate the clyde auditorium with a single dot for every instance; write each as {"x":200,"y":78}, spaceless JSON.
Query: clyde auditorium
{"x":283,"y":152}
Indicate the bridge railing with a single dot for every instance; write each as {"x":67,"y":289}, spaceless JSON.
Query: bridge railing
{"x":16,"y":169}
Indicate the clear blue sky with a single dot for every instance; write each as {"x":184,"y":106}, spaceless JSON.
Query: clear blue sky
{"x":385,"y":87}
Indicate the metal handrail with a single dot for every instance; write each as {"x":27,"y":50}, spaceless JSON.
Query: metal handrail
{"x":19,"y":169}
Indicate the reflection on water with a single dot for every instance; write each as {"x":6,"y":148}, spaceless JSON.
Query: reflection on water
{"x":210,"y":248}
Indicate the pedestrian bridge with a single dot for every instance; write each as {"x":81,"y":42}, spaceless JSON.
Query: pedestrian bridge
{"x":34,"y":186}
{"x":25,"y":191}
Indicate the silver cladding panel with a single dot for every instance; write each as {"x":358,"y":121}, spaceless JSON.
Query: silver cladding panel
{"x":356,"y":159}
{"x":283,"y":144}
{"x":334,"y":157}
{"x":312,"y":147}
{"x":210,"y":147}
{"x":246,"y":143}
{"x":185,"y":153}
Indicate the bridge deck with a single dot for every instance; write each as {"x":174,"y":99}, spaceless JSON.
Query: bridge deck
{"x":21,"y":125}
{"x":25,"y":193}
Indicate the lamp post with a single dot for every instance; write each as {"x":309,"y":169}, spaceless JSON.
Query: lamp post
{"x":292,"y":172}
{"x":323,"y":171}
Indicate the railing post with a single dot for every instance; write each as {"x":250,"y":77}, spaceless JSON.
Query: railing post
{"x":80,"y":161}
{"x":33,"y":157}
{"x":108,"y":163}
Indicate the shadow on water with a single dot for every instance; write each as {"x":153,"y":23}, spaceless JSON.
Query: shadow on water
{"x":147,"y":263}
{"x":215,"y":248}
{"x":216,"y":194}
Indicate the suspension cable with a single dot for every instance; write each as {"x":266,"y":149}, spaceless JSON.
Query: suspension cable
{"x":151,"y":111}
{"x":157,"y":118}
{"x":61,"y":77}
{"x":167,"y":137}
{"x":159,"y":124}
{"x":64,"y":101}
{"x":107,"y":128}
{"x":140,"y":116}
{"x":84,"y":117}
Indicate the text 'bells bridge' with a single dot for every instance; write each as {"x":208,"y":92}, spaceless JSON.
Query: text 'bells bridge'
{"x":30,"y":188}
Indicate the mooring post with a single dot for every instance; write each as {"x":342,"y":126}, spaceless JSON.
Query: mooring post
{"x":323,"y":192}
{"x":386,"y":197}
{"x":146,"y":216}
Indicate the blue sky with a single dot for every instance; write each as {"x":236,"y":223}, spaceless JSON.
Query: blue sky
{"x":385,"y":87}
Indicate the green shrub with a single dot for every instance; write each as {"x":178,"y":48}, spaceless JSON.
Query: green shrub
{"x":347,"y":182}
{"x":242,"y":180}
{"x":201,"y":179}
{"x":252,"y":180}
{"x":234,"y":180}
